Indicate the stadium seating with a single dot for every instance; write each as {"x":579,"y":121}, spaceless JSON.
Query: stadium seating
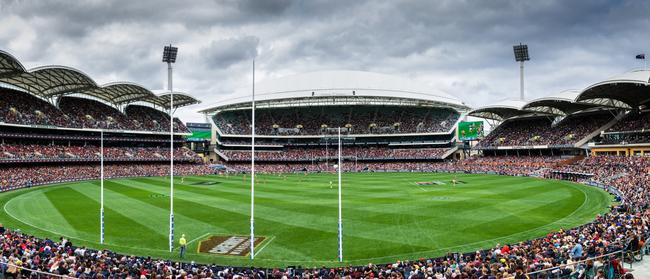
{"x":506,"y":165}
{"x":35,"y":152}
{"x":623,"y":227}
{"x":150,"y":119}
{"x":633,"y":129}
{"x":22,"y":108}
{"x":72,"y":112}
{"x":540,"y":131}
{"x":360,"y":153}
{"x":354,"y":120}
{"x":25,"y":176}
{"x":86,"y":113}
{"x":633,"y":122}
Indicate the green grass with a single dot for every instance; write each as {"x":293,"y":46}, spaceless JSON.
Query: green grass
{"x":386,"y":215}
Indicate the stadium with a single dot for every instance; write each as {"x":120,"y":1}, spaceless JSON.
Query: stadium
{"x":558,"y":183}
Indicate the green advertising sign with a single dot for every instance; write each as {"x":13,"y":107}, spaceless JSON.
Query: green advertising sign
{"x":200,"y":135}
{"x":470,"y":130}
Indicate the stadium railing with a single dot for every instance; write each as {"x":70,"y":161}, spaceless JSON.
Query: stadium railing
{"x":21,"y":270}
{"x":580,"y":269}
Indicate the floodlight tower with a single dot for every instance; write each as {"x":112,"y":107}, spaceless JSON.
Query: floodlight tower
{"x":521,"y":55}
{"x":169,"y":57}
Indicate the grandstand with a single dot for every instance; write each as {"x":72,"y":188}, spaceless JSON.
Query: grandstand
{"x":608,"y":117}
{"x":381,"y":117}
{"x":54,"y":119}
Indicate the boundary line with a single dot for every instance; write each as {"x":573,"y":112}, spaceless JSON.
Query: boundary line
{"x":575,"y":185}
{"x":200,"y":237}
{"x":264,"y":246}
{"x":4,"y":208}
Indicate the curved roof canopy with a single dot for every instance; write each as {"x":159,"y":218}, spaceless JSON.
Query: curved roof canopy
{"x":180,"y":100}
{"x":561,"y":104}
{"x":339,"y":87}
{"x":50,"y":81}
{"x":501,"y":110}
{"x":628,"y":90}
{"x":119,"y":92}
{"x":9,"y":65}
{"x":56,"y":81}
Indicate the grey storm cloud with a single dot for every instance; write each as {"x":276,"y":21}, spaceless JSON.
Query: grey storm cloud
{"x":223,"y":53}
{"x":459,"y":46}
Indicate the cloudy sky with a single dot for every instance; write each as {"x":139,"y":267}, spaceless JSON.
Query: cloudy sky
{"x":461,"y":47}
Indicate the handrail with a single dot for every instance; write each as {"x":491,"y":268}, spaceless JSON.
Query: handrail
{"x":36,"y":271}
{"x":576,"y":263}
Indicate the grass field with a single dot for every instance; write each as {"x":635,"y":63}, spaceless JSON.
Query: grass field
{"x":387,"y":216}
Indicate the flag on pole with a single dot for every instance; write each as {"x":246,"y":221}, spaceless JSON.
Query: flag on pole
{"x":640,"y":56}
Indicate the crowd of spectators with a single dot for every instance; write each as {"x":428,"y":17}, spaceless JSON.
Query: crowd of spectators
{"x":30,"y":152}
{"x":360,"y":153}
{"x":626,"y":138}
{"x":21,"y":108}
{"x":541,"y":131}
{"x":72,"y":112}
{"x":506,"y":165}
{"x":150,"y":119}
{"x":18,"y":177}
{"x":85,"y":136}
{"x":515,"y":132}
{"x":631,"y":175}
{"x":634,"y":121}
{"x":352,"y":120}
{"x":87,"y":113}
{"x":633,"y":128}
{"x":558,"y":254}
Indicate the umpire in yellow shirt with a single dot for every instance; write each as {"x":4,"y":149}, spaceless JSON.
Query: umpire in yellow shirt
{"x":183,"y":244}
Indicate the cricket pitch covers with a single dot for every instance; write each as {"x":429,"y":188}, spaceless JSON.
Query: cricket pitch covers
{"x":235,"y":245}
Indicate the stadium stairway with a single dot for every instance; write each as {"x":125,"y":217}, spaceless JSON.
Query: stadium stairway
{"x":220,"y":154}
{"x":449,"y":152}
{"x":609,"y":124}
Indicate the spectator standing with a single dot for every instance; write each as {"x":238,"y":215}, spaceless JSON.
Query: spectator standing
{"x":183,"y":243}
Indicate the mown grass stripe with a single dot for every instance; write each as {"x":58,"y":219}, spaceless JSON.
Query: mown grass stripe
{"x":82,"y":214}
{"x":386,"y":217}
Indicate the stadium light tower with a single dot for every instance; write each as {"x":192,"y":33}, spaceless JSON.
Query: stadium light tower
{"x":169,"y":57}
{"x":521,"y":55}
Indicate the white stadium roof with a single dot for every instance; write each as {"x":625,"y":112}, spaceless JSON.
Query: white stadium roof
{"x":627,"y":90}
{"x":500,"y":110}
{"x":57,"y":81}
{"x":338,"y":87}
{"x":562,"y":103}
{"x":566,"y":95}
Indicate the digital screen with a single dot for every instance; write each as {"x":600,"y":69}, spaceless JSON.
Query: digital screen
{"x":470,"y":130}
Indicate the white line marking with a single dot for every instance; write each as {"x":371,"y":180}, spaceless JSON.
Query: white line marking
{"x":418,"y":185}
{"x":264,"y":246}
{"x":200,"y":237}
{"x":559,"y":221}
{"x":37,"y":227}
{"x":71,"y":237}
